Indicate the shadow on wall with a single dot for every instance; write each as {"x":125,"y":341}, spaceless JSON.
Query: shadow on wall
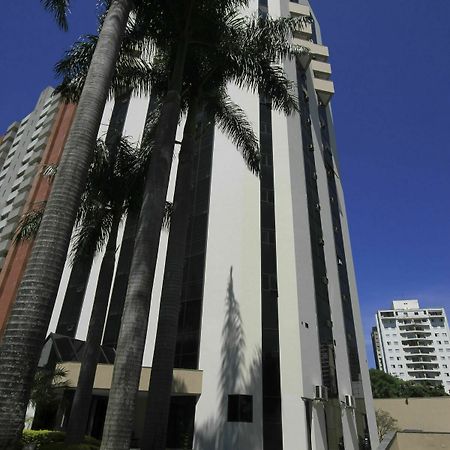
{"x":236,"y":377}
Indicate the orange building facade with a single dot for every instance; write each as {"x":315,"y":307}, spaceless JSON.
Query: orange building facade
{"x":39,"y":191}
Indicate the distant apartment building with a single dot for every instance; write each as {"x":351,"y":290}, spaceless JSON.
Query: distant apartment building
{"x":27,"y":146}
{"x":413,"y":343}
{"x":376,"y":344}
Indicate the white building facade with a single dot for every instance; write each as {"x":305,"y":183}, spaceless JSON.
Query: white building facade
{"x":415,"y":342}
{"x":270,"y":313}
{"x":20,"y":153}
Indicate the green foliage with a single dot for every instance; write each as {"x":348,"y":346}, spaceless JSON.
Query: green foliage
{"x":45,"y":381}
{"x":29,"y":223}
{"x":54,"y":440}
{"x":42,"y":437}
{"x":388,"y":386}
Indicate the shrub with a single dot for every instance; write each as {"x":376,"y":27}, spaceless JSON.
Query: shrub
{"x":54,"y":440}
{"x":41,"y":437}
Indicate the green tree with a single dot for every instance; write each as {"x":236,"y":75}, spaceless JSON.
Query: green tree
{"x":388,"y":386}
{"x":384,"y":385}
{"x":44,"y":396}
{"x":30,"y":316}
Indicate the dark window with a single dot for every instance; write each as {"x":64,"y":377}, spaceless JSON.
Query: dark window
{"x":240,"y":408}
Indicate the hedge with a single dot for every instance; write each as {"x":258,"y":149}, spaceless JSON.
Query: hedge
{"x":54,"y":440}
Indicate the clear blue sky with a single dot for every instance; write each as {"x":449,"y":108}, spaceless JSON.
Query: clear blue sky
{"x":391,"y":69}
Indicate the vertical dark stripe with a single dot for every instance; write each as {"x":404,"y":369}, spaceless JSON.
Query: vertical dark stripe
{"x":190,"y":319}
{"x":119,"y":292}
{"x":79,"y":277}
{"x":271,"y":379}
{"x":352,"y":346}
{"x":332,"y":408}
{"x":346,"y":301}
{"x":324,"y":322}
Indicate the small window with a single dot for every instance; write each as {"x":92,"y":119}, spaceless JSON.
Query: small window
{"x":240,"y":408}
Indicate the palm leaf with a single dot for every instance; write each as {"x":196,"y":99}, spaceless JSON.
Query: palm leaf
{"x":29,"y":223}
{"x":232,"y":120}
{"x":60,"y":9}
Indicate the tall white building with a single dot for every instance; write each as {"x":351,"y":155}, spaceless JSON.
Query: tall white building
{"x":414,"y":342}
{"x":20,"y":153}
{"x":270,"y":352}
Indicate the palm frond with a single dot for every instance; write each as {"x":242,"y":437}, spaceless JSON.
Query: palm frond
{"x":168,"y":208}
{"x":60,"y":9}
{"x":92,"y":232}
{"x":49,"y":171}
{"x":29,"y":223}
{"x":133,"y":70}
{"x":233,"y":121}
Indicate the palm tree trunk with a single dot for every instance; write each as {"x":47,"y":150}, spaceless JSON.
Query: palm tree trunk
{"x":79,"y":412}
{"x":28,"y":323}
{"x":130,"y":348}
{"x":160,"y":388}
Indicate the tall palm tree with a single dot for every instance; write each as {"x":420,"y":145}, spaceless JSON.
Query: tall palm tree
{"x":264,"y":41}
{"x":195,"y":21}
{"x":111,"y":186}
{"x":30,"y":316}
{"x":247,"y":59}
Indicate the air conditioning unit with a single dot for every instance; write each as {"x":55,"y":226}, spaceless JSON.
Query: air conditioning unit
{"x":350,"y":401}
{"x":321,"y":393}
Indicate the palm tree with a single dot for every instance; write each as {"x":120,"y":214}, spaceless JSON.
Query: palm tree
{"x":30,"y":316}
{"x":111,"y":186}
{"x":239,"y":62}
{"x":195,"y":21}
{"x":264,"y":41}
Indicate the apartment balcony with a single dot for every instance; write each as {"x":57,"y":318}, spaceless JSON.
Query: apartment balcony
{"x":324,"y":89}
{"x":416,"y":334}
{"x":417,"y":341}
{"x":421,"y":359}
{"x":298,"y":10}
{"x":420,"y":337}
{"x":419,"y":350}
{"x":421,"y":367}
{"x":316,"y":51}
{"x":321,"y":69}
{"x":414,"y":327}
{"x":423,"y":376}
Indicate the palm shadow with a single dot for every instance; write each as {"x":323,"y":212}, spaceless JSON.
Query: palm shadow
{"x":236,"y":377}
